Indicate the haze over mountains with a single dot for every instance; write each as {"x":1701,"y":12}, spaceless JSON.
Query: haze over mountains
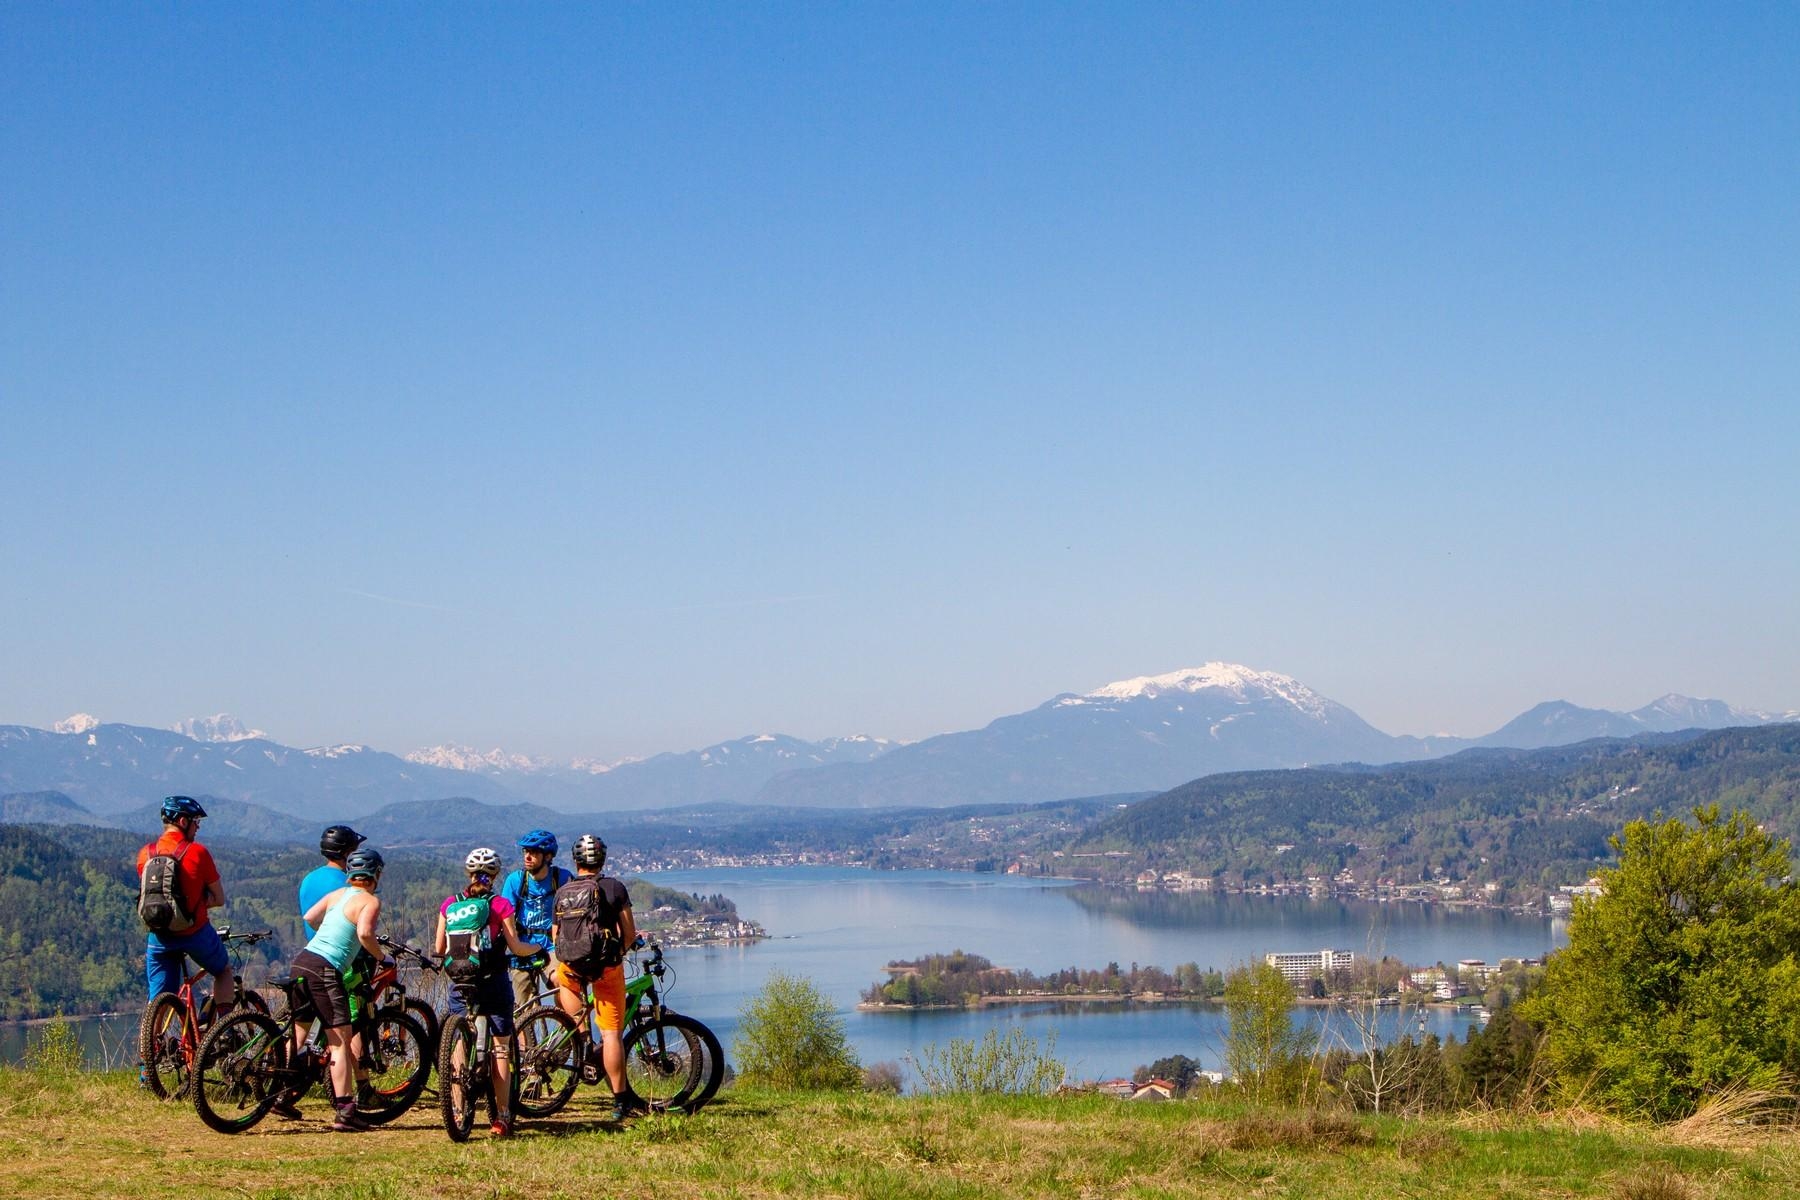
{"x":1138,"y":735}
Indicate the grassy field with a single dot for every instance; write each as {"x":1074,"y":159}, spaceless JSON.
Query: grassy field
{"x":89,"y":1134}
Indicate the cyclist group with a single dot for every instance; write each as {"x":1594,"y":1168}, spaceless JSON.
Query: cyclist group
{"x":541,"y":918}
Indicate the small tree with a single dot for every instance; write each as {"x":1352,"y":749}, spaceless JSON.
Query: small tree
{"x":790,"y":1036}
{"x":1680,"y":980}
{"x":1263,"y":1049}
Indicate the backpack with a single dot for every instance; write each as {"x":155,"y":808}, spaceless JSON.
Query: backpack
{"x":587,"y":928}
{"x":159,"y":892}
{"x":471,"y":956}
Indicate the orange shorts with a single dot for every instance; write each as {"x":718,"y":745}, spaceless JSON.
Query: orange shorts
{"x":609,"y":994}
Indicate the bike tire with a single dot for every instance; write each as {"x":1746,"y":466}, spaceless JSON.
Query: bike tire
{"x":428,"y":1020}
{"x":458,"y":1089}
{"x":167,"y":1063}
{"x":395,"y":1048}
{"x":544,"y":1068}
{"x":712,"y":1071}
{"x":239,"y":1072}
{"x":664,"y":1062}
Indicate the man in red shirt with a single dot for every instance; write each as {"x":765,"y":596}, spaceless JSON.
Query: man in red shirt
{"x":197,"y":884}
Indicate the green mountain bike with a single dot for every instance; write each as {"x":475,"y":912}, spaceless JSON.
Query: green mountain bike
{"x":673,"y":1062}
{"x":248,"y":1061}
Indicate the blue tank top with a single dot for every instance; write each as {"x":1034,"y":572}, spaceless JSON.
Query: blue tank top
{"x":336,"y":942}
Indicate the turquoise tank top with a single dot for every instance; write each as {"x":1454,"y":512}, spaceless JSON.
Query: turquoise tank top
{"x":336,"y":941}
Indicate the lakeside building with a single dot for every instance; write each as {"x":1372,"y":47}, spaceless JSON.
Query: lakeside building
{"x":1300,"y":967}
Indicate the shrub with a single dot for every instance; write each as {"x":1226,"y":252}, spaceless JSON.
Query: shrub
{"x":885,"y":1078}
{"x":790,"y":1036}
{"x":54,"y":1052}
{"x":1014,"y":1064}
{"x":1268,"y":1056}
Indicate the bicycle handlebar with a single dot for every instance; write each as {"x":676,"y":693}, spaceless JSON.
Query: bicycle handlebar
{"x":249,"y":939}
{"x":402,"y":949}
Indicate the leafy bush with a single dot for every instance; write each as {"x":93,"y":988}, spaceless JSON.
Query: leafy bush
{"x":790,"y":1036}
{"x":54,"y":1052}
{"x":1680,"y":981}
{"x":1267,"y":1055}
{"x":1013,"y":1064}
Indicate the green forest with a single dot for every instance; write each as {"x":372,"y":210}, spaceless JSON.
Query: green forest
{"x":71,"y":941}
{"x":959,"y":978}
{"x":1524,"y":820}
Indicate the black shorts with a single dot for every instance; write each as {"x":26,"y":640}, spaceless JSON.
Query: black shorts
{"x":325,"y":986}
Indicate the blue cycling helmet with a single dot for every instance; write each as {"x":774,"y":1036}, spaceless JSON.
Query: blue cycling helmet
{"x":539,"y":839}
{"x":176,"y":807}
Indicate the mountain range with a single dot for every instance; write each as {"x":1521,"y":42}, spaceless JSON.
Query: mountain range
{"x":1144,"y":734}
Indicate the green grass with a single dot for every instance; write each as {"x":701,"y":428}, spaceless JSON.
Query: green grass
{"x":97,"y":1135}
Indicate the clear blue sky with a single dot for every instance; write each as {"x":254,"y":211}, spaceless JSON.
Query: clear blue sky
{"x":609,"y":380}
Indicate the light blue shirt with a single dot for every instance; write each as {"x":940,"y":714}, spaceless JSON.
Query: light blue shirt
{"x":318,"y":884}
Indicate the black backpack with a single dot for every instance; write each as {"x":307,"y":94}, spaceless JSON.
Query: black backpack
{"x":159,"y":893}
{"x":587,"y":928}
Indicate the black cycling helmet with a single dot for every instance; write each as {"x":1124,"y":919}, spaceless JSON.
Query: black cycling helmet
{"x":176,"y":807}
{"x":539,"y":839}
{"x":364,"y":864}
{"x":339,"y":840}
{"x":589,"y":851}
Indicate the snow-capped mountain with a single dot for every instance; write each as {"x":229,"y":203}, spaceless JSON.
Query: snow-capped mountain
{"x":467,"y":758}
{"x":1157,"y":731}
{"x":1141,"y":734}
{"x":112,"y":769}
{"x":220,"y":727}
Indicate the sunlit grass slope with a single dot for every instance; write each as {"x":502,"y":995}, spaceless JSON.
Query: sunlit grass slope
{"x":96,"y":1135}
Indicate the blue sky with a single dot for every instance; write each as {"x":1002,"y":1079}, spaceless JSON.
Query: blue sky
{"x":607,"y":381}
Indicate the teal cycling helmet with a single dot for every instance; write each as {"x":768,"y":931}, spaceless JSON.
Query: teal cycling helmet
{"x":176,"y":807}
{"x":364,"y":864}
{"x":541,"y":840}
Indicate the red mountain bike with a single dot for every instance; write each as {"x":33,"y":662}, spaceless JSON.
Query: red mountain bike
{"x":169,"y":1036}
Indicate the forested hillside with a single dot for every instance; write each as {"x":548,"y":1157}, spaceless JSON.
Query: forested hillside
{"x":71,"y":940}
{"x":1525,"y":819}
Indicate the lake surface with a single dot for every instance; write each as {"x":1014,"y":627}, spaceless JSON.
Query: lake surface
{"x":840,"y":926}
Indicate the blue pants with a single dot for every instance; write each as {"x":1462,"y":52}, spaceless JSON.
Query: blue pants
{"x":165,"y":953}
{"x":493,"y":1000}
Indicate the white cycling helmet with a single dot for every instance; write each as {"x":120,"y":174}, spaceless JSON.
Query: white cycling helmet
{"x":482,"y":860}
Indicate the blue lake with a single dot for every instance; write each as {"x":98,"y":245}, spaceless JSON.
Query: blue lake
{"x":839,"y":927}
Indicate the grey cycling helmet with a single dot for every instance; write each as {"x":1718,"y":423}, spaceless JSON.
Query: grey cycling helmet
{"x":482,"y":861}
{"x":589,"y":851}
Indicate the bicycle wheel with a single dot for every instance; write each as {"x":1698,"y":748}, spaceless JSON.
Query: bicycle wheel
{"x":712,"y":1067}
{"x":461,"y":1077}
{"x":399,"y":1062}
{"x":166,"y":1061}
{"x":241,"y":1069}
{"x":545,"y":1071}
{"x":663,"y":1063}
{"x":427,"y":1018}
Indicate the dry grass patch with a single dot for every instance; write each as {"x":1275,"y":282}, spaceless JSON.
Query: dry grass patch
{"x":1306,"y":1132}
{"x":1654,"y":1183}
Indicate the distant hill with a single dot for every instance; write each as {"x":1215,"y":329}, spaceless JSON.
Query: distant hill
{"x":1526,"y":816}
{"x":44,"y":808}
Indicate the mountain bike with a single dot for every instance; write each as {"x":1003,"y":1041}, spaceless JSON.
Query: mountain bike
{"x":248,"y":1062}
{"x":464,"y":1061}
{"x":169,"y":1035}
{"x":390,"y":992}
{"x":673,"y":1062}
